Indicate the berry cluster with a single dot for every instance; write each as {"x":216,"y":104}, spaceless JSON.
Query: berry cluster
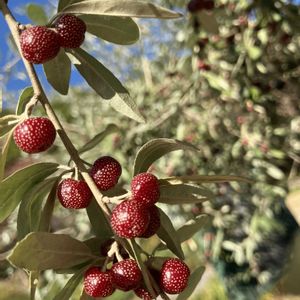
{"x":138,"y":216}
{"x":195,"y":6}
{"x":40,"y":44}
{"x":125,"y":275}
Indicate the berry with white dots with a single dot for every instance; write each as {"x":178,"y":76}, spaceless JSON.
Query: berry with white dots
{"x":145,"y":188}
{"x":98,"y":283}
{"x":154,"y":223}
{"x":34,"y":135}
{"x":143,"y":294}
{"x":106,"y":172}
{"x":126,"y":275}
{"x":39,"y":44}
{"x":71,"y":31}
{"x":174,"y":276}
{"x":129,"y":219}
{"x":74,"y":193}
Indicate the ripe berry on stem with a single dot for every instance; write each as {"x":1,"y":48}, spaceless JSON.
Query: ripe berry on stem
{"x":98,"y":283}
{"x":74,"y":193}
{"x":34,"y":135}
{"x":129,"y":219}
{"x":174,"y":276}
{"x":39,"y":44}
{"x":143,"y":293}
{"x":154,"y":223}
{"x":145,"y":188}
{"x":126,"y":275}
{"x":71,"y":31}
{"x":106,"y":172}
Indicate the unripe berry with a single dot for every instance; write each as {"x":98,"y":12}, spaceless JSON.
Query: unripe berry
{"x":106,"y":172}
{"x":39,"y":44}
{"x":154,"y":223}
{"x":35,"y":135}
{"x":126,"y":275}
{"x":98,"y":283}
{"x":145,"y":188}
{"x":174,"y":276}
{"x":71,"y":31}
{"x":129,"y":219}
{"x":74,"y":193}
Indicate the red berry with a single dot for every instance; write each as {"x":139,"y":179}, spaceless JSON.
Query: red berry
{"x":35,"y":135}
{"x":106,"y":172}
{"x":195,"y":6}
{"x":143,"y":294}
{"x":154,"y":223}
{"x":98,"y":283}
{"x":39,"y":44}
{"x":126,"y":275}
{"x":145,"y":188}
{"x":74,"y":193}
{"x":71,"y":31}
{"x":129,"y":219}
{"x":174,"y":276}
{"x":209,"y":4}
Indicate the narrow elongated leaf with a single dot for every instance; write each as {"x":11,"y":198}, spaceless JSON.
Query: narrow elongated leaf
{"x":168,"y":234}
{"x":13,"y":188}
{"x":37,"y":14}
{"x":43,"y":251}
{"x":293,"y":204}
{"x":97,"y":139}
{"x":7,"y":123}
{"x":193,"y":282}
{"x":63,"y":3}
{"x":154,"y":150}
{"x":121,"y":8}
{"x":99,"y":225}
{"x":184,"y":194}
{"x":200,"y":179}
{"x":24,"y":98}
{"x":30,"y":207}
{"x":58,"y":71}
{"x":106,"y":84}
{"x":71,"y":285}
{"x":118,"y":30}
{"x":4,"y":153}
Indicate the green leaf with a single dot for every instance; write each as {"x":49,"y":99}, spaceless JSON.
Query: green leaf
{"x":154,"y":150}
{"x":30,"y":207}
{"x":58,"y":72}
{"x":4,"y":153}
{"x":200,"y":179}
{"x":37,"y":14}
{"x":183,"y":194}
{"x":168,"y":234}
{"x":70,"y":287}
{"x":106,"y":84}
{"x":188,"y":230}
{"x":7,"y":123}
{"x":25,"y":97}
{"x":95,"y":244}
{"x":209,"y":22}
{"x":193,"y":282}
{"x":63,"y":3}
{"x":13,"y":188}
{"x":118,"y":30}
{"x":121,"y":8}
{"x":99,"y":224}
{"x":43,"y":251}
{"x":110,"y":128}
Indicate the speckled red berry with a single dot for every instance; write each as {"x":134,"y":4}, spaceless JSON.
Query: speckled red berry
{"x":143,"y":293}
{"x":35,"y":135}
{"x":129,"y":219}
{"x":98,"y":283}
{"x":126,"y":275}
{"x":106,"y":172}
{"x":74,"y":193}
{"x":195,"y":6}
{"x":154,"y":223}
{"x":174,"y":276}
{"x":39,"y":44}
{"x":145,"y":188}
{"x":71,"y":31}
